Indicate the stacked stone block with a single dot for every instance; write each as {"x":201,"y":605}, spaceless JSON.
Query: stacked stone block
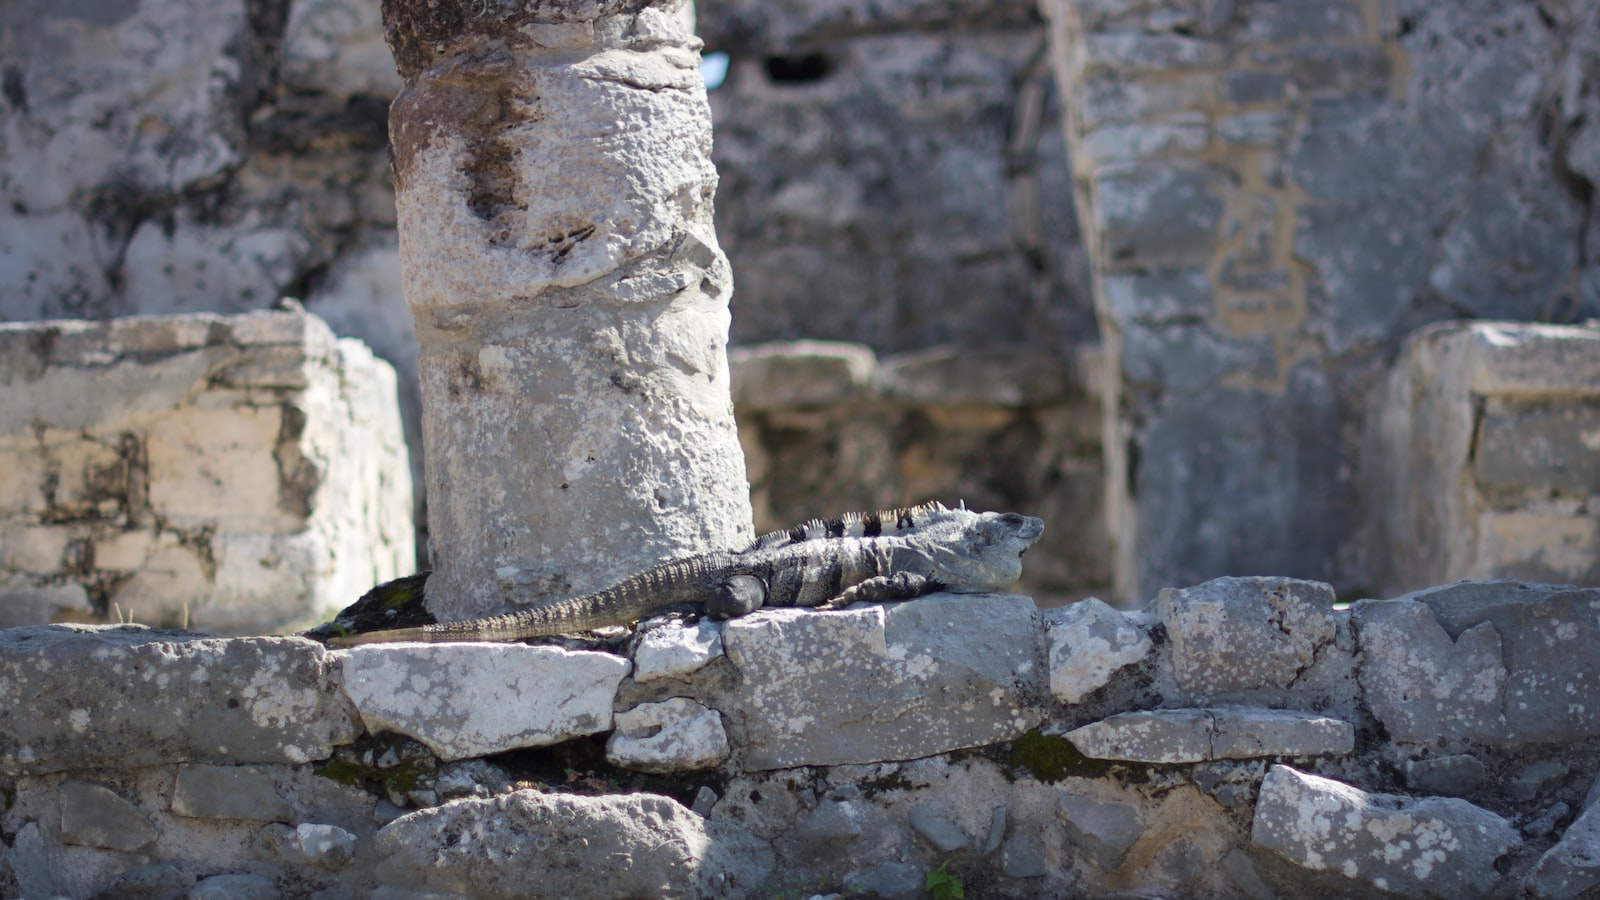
{"x":1487,"y":446}
{"x":1274,"y":195}
{"x":1246,"y":737}
{"x":237,"y":474}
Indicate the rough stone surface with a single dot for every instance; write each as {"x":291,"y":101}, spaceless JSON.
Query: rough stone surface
{"x":1425,"y":686}
{"x":240,"y":474}
{"x":1481,"y":449}
{"x":1455,"y":775}
{"x":556,"y":245}
{"x":676,"y":735}
{"x":1195,"y":735}
{"x":570,"y":846}
{"x":465,"y":700}
{"x":1104,"y":829}
{"x":1089,"y":643}
{"x":1233,"y":636}
{"x":675,"y":651}
{"x":96,"y":816}
{"x":128,"y":696}
{"x":228,"y":792}
{"x":923,"y":681}
{"x":1572,"y":866}
{"x":1439,"y":847}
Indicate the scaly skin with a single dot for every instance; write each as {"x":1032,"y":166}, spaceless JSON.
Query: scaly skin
{"x":825,"y":564}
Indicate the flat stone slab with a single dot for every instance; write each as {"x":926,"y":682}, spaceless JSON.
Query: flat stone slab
{"x":1435,"y":846}
{"x":466,"y":700}
{"x":675,"y":650}
{"x":1227,"y":732}
{"x":129,"y":696}
{"x":921,"y":678}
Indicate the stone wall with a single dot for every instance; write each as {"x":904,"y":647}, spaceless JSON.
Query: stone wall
{"x":1274,"y":195}
{"x":1245,"y":737}
{"x":1486,"y":443}
{"x":235,"y":473}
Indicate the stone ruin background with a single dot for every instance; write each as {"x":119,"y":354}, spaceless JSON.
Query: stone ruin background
{"x":1246,"y":358}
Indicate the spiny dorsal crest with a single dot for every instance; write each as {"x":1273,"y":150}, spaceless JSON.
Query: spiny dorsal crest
{"x":884,"y":522}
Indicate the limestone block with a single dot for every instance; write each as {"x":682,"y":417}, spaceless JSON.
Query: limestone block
{"x":1424,"y":686}
{"x":1160,"y":214}
{"x":1089,"y":643}
{"x":240,"y":474}
{"x":1453,"y":775}
{"x":1235,"y":635}
{"x":1572,"y":866}
{"x":570,"y":846}
{"x":675,"y":735}
{"x":799,"y":374}
{"x":921,"y":678}
{"x":1551,"y":676}
{"x":96,"y":816}
{"x":336,"y":46}
{"x":1435,"y":846}
{"x":1196,"y":735}
{"x":26,"y":600}
{"x":466,"y":700}
{"x":673,"y":650}
{"x":229,"y":792}
{"x":946,"y":376}
{"x":129,"y":696}
{"x":1481,"y":447}
{"x":570,"y":300}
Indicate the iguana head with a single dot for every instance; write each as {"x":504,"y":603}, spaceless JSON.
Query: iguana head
{"x":981,"y":552}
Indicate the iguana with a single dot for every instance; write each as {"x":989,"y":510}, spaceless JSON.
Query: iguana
{"x":827,"y":563}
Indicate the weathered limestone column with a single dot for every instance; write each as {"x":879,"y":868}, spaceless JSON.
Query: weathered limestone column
{"x":554,"y":191}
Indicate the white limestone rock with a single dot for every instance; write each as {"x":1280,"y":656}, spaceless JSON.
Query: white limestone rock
{"x":129,"y":696}
{"x":1434,"y":846}
{"x":1234,"y":636}
{"x":922,"y":677}
{"x":675,"y":735}
{"x":466,"y":700}
{"x":673,"y":650}
{"x":1089,"y":643}
{"x":1425,"y":686}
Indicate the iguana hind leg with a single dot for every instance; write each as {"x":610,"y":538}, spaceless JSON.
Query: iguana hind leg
{"x":899,"y":586}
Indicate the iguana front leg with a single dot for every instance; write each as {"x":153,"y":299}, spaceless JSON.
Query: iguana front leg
{"x":899,"y":586}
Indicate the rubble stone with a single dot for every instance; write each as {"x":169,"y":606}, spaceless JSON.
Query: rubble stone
{"x":1089,"y":643}
{"x":466,"y":700}
{"x":675,"y":735}
{"x":1197,"y":735}
{"x":1431,"y":846}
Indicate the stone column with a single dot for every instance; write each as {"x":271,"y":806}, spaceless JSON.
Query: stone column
{"x":554,"y":191}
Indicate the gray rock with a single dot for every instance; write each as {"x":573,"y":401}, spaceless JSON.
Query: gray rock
{"x":1572,"y":866}
{"x":96,"y":816}
{"x":229,"y":792}
{"x":1023,"y":856}
{"x":948,"y":376}
{"x":570,"y":846}
{"x":1242,"y":873}
{"x":899,"y":880}
{"x":1533,"y":779}
{"x":831,"y":822}
{"x":1160,"y":213}
{"x":673,"y":650}
{"x":326,"y":845}
{"x":1435,"y":846}
{"x":130,"y":696}
{"x":1544,"y":632}
{"x":1422,"y":685}
{"x":1235,"y":635}
{"x":1089,"y":643}
{"x":1104,"y":829}
{"x":997,"y":831}
{"x":467,"y":700}
{"x":923,"y":681}
{"x":705,"y":800}
{"x":937,"y":828}
{"x":1196,"y":735}
{"x":1536,"y":453}
{"x":675,"y":735}
{"x":236,"y":886}
{"x":154,"y":881}
{"x":1547,"y":821}
{"x":1455,"y":775}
